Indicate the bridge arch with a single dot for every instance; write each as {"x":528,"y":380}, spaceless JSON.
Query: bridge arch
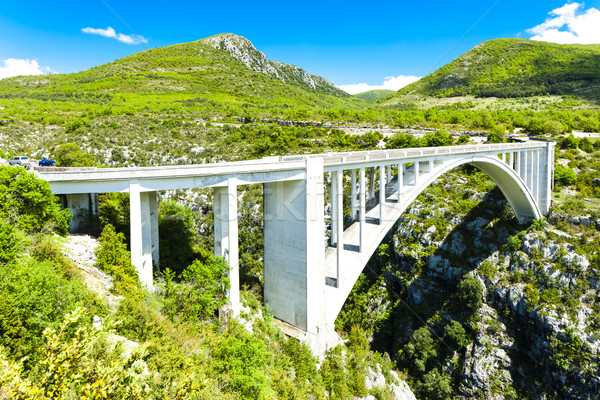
{"x":509,"y":182}
{"x":513,"y":187}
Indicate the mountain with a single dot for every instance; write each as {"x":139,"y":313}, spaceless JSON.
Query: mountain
{"x":374,"y":96}
{"x":244,"y":51}
{"x":224,"y":68}
{"x":516,"y":68}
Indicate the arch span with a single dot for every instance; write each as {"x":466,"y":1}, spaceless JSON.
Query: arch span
{"x":510,"y":183}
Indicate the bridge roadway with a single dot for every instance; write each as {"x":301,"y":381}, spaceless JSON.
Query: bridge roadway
{"x":306,"y":282}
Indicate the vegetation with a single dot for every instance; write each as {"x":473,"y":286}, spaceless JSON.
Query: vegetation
{"x":457,"y":280}
{"x":515,"y":68}
{"x":375,"y":96}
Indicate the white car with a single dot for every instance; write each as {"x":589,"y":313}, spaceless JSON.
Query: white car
{"x":19,"y":160}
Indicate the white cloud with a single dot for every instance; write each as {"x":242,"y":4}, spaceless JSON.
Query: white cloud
{"x":569,"y":24}
{"x":389,"y":83}
{"x":111,"y":33}
{"x":15,"y":67}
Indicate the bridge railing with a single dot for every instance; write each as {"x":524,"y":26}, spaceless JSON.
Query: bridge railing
{"x":341,"y":158}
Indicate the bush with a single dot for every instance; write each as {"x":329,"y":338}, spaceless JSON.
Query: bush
{"x":178,"y":239}
{"x":470,"y":295}
{"x":72,"y":367}
{"x":419,"y":351}
{"x":71,"y":155}
{"x":113,"y":209}
{"x":570,"y":142}
{"x":202,"y":290}
{"x":241,"y":363}
{"x":35,"y":295}
{"x":434,"y":386}
{"x":29,"y":202}
{"x":564,"y":176}
{"x":113,"y":258}
{"x":11,"y":241}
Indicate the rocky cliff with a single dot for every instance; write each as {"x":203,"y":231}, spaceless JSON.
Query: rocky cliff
{"x":476,"y":305}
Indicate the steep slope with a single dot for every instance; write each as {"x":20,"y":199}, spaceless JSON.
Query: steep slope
{"x":516,"y":68}
{"x":243,"y":50}
{"x":223,"y":68}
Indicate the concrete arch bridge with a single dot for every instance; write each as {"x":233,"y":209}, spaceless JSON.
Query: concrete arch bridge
{"x":308,"y":275}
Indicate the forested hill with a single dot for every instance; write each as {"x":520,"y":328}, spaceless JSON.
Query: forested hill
{"x":221,"y":69}
{"x":516,"y":68}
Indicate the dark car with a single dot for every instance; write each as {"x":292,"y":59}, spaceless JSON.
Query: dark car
{"x":46,"y":162}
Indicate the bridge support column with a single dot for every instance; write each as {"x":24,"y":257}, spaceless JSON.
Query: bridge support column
{"x":523,"y":169}
{"x":535,"y":175}
{"x":353,"y":195}
{"x":371,"y":184}
{"x":546,"y":177}
{"x":294,"y":255}
{"x":381,"y":193}
{"x":361,"y":210}
{"x":225,"y":214}
{"x":530,"y":171}
{"x":334,"y":207}
{"x":389,"y":174}
{"x":400,"y":181}
{"x":144,"y":231}
{"x":416,"y":173}
{"x":339,"y":222}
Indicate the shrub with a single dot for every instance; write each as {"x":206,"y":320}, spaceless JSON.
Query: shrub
{"x":113,"y":258}
{"x":434,"y":386}
{"x":420,"y":349}
{"x":35,"y":295}
{"x":71,"y":155}
{"x":241,"y":364}
{"x":71,"y":368}
{"x":470,"y":295}
{"x":11,"y":241}
{"x":565,"y":176}
{"x":178,"y":239}
{"x":29,"y":202}
{"x":202,"y":290}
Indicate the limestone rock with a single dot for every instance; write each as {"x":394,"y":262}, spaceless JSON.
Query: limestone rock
{"x":487,"y":364}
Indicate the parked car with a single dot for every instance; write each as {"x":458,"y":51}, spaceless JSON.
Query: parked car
{"x":46,"y":162}
{"x":19,"y":160}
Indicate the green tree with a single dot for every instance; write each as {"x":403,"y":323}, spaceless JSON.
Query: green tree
{"x":419,"y":351}
{"x":434,"y":386}
{"x":29,"y":202}
{"x":113,"y":258}
{"x":496,"y":137}
{"x":438,"y":138}
{"x":402,"y":140}
{"x":470,"y":295}
{"x":178,"y":237}
{"x":71,"y":155}
{"x":570,"y":142}
{"x":564,"y":176}
{"x":455,"y":335}
{"x":202,"y":290}
{"x":113,"y":209}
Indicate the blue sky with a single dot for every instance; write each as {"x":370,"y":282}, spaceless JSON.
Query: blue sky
{"x":346,"y":42}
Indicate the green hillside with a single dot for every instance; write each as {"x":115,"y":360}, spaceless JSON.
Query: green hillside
{"x":223,"y":69}
{"x":516,"y":68}
{"x":374,"y":96}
